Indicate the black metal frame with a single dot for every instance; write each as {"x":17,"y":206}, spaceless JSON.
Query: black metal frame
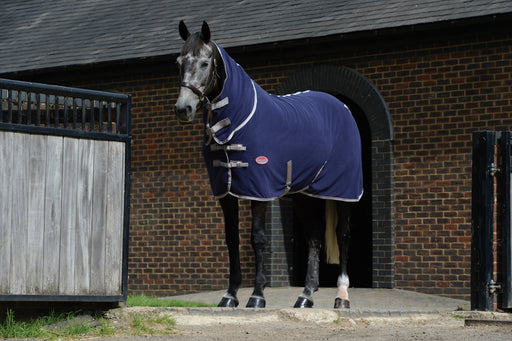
{"x":504,"y":222}
{"x":484,"y":173}
{"x":48,"y":121}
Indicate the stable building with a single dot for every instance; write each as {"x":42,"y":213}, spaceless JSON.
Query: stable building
{"x":418,"y":76}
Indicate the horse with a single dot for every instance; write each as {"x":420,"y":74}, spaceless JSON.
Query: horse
{"x":261,"y":147}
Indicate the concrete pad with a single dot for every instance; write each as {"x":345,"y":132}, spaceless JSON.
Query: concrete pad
{"x":364,"y":301}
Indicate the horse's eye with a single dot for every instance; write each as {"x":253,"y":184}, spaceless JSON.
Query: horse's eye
{"x":204,"y":65}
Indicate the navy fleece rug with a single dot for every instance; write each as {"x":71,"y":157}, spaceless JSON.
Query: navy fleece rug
{"x":261,"y":146}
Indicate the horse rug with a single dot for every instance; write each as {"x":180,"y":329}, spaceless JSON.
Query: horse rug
{"x":261,"y":146}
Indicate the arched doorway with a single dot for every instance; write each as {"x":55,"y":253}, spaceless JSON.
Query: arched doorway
{"x":372,"y":259}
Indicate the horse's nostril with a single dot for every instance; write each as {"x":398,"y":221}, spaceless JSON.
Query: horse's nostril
{"x":183,"y":110}
{"x":183,"y":113}
{"x":180,"y":110}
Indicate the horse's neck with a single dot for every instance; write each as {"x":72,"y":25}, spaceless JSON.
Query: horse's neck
{"x":219,"y":73}
{"x":237,"y":90}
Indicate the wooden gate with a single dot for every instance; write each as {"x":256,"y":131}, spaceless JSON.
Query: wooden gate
{"x":64,"y":193}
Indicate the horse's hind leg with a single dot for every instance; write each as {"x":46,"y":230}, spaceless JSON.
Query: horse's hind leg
{"x":310,"y":212}
{"x":259,"y":209}
{"x":229,"y":206}
{"x":343,"y":235}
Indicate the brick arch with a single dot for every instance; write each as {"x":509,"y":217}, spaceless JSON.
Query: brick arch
{"x":349,"y":84}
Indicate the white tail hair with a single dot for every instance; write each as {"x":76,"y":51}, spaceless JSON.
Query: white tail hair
{"x":332,"y":250}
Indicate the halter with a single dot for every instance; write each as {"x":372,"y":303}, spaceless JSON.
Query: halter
{"x":195,"y":90}
{"x":211,"y":84}
{"x":209,"y":105}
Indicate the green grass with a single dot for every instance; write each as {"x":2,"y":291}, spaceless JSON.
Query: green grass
{"x":37,"y":327}
{"x":150,"y":301}
{"x":75,"y":329}
{"x":105,"y":330}
{"x":140,"y":326}
{"x":33,"y":328}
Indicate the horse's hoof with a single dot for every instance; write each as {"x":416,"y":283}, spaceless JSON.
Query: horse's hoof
{"x":303,"y":302}
{"x":341,"y":303}
{"x":228,"y":302}
{"x":256,"y":302}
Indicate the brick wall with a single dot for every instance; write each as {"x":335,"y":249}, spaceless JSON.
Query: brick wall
{"x":437,"y":99}
{"x":438,"y":92}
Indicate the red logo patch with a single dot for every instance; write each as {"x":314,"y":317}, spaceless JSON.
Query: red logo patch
{"x":261,"y":160}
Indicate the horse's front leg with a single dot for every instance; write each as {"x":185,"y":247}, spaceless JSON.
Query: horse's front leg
{"x":343,"y":235}
{"x":259,"y":209}
{"x":229,"y":206}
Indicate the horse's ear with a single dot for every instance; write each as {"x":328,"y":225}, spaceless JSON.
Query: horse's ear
{"x":184,"y":33}
{"x":205,"y":33}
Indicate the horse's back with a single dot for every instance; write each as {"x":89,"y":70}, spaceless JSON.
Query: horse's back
{"x":314,"y":109}
{"x":321,"y":135}
{"x":317,"y":115}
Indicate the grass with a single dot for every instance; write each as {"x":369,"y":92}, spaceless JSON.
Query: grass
{"x":149,"y":301}
{"x":140,"y":326}
{"x":75,"y":329}
{"x":106,"y":330}
{"x":37,"y":327}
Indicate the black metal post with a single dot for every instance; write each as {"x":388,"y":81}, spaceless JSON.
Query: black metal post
{"x":482,"y":220}
{"x":504,"y":223}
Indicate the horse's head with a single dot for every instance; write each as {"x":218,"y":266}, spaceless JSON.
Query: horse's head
{"x":199,"y":77}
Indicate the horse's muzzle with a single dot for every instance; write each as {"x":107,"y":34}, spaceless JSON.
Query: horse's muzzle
{"x":183,"y":113}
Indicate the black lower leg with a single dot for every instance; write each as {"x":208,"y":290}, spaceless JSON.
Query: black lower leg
{"x":229,"y":206}
{"x":313,"y":269}
{"x":258,"y":241}
{"x":311,"y":213}
{"x":305,"y":300}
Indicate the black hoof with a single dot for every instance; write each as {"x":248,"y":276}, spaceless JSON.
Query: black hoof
{"x":341,"y":303}
{"x":256,"y":302}
{"x":303,"y":302}
{"x":228,"y":302}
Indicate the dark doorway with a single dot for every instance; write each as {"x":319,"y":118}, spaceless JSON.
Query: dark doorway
{"x":360,"y":258}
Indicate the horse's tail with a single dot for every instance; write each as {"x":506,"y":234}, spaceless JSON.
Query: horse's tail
{"x":332,"y":250}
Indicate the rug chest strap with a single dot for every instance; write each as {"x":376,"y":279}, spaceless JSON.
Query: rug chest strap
{"x":230,"y":164}
{"x":230,"y":147}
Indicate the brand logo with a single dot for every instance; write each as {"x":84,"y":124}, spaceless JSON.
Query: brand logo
{"x":261,"y":160}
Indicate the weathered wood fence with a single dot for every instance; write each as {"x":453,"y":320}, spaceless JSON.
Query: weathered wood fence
{"x":64,"y":193}
{"x":491,"y":238}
